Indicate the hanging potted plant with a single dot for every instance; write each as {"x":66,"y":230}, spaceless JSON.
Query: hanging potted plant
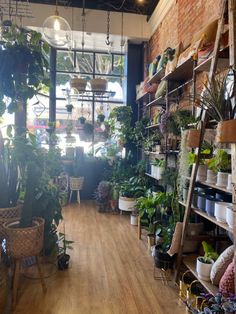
{"x":98,"y":85}
{"x":101,"y":118}
{"x":69,"y":108}
{"x":82,"y":120}
{"x":78,"y":83}
{"x":23,"y":56}
{"x":205,"y":263}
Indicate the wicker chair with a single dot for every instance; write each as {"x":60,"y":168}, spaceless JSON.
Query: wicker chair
{"x":76,"y":184}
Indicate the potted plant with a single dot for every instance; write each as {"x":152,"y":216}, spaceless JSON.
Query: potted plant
{"x":157,"y":168}
{"x":101,"y":118}
{"x":82,"y":120}
{"x":204,"y":263}
{"x":69,"y":108}
{"x":98,"y":85}
{"x":24,"y":66}
{"x":221,"y":165}
{"x":103,"y":195}
{"x":114,"y":196}
{"x":78,"y":83}
{"x":130,"y":190}
{"x":63,"y":258}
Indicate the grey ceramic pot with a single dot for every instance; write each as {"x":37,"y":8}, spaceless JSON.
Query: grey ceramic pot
{"x":210,"y":205}
{"x":201,"y":201}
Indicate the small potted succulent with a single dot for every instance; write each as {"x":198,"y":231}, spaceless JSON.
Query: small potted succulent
{"x":205,"y":263}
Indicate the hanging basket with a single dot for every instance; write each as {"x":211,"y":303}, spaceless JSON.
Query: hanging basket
{"x":193,"y":138}
{"x":24,"y":242}
{"x":226,"y":132}
{"x":98,"y":85}
{"x":78,"y":83}
{"x":7,"y":214}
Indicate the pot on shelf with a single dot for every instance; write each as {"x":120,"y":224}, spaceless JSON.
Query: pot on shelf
{"x":211,"y":177}
{"x":226,"y":132}
{"x":222,"y":179}
{"x":229,"y":184}
{"x":127,"y":203}
{"x":202,"y":173}
{"x":99,"y":85}
{"x":220,"y":211}
{"x":201,"y":201}
{"x":78,"y":83}
{"x":159,"y":173}
{"x":230,"y":217}
{"x":210,"y":205}
{"x":204,"y":269}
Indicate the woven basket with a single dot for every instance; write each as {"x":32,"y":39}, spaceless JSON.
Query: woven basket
{"x":226,"y":132}
{"x":76,"y":183}
{"x":98,"y":84}
{"x":3,"y":287}
{"x":7,"y":214}
{"x":24,"y":242}
{"x":78,"y":83}
{"x":193,"y":138}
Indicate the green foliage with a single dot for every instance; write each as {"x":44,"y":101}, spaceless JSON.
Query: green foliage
{"x":23,"y":57}
{"x":64,"y":244}
{"x":133,"y":188}
{"x":221,"y":162}
{"x":140,"y":133}
{"x":159,"y":163}
{"x":209,"y":253}
{"x":179,"y":119}
{"x":169,"y":177}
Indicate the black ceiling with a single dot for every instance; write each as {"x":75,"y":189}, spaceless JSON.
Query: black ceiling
{"x":145,"y":7}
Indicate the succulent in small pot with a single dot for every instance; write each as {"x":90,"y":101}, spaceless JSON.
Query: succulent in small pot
{"x":81,"y":120}
{"x":221,"y":165}
{"x":205,"y":263}
{"x":69,"y":108}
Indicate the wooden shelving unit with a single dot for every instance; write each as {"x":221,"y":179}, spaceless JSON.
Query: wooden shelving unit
{"x":150,"y":176}
{"x":223,"y":63}
{"x":219,"y":188}
{"x":157,"y":76}
{"x":182,"y":73}
{"x":157,"y":102}
{"x":190,"y":262}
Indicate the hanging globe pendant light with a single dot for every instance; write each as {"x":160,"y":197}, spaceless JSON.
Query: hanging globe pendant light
{"x":56,"y":30}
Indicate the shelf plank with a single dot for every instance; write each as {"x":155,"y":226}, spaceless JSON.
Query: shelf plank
{"x":190,"y":262}
{"x":149,"y":175}
{"x":145,"y":95}
{"x":212,"y":219}
{"x":215,"y":187}
{"x":222,"y":64}
{"x":157,"y":76}
{"x":153,"y":153}
{"x":157,"y":102}
{"x":184,"y":72}
{"x":153,"y":126}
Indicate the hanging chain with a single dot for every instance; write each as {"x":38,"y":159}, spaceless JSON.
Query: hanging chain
{"x":122,"y":42}
{"x":108,"y":42}
{"x":83,"y":28}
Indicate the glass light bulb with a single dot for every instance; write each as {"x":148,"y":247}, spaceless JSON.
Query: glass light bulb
{"x":57,"y":25}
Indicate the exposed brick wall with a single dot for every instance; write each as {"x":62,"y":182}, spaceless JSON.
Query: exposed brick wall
{"x":184,"y":19}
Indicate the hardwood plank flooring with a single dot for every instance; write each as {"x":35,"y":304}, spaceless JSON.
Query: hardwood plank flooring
{"x":111,"y":272}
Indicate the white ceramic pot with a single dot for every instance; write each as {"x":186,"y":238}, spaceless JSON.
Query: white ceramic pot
{"x":134,"y":220}
{"x":204,"y":269}
{"x":202,"y":173}
{"x":211,"y":177}
{"x":127,"y":204}
{"x":229,"y":184}
{"x":153,"y":171}
{"x":159,"y":172}
{"x":230,"y":217}
{"x":220,"y":211}
{"x":222,"y":179}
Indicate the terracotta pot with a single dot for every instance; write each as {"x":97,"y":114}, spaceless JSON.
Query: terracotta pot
{"x":226,"y":132}
{"x":193,"y":138}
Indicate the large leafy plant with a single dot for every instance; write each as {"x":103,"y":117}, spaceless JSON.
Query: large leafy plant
{"x":23,"y":65}
{"x":133,"y":188}
{"x":220,"y":162}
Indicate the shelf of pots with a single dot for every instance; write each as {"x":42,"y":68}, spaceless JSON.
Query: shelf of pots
{"x":157,"y":168}
{"x":129,"y":191}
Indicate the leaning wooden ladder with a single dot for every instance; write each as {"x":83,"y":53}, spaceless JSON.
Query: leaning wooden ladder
{"x":188,"y":206}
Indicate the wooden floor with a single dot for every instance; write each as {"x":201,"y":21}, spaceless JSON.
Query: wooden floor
{"x":111,"y":272}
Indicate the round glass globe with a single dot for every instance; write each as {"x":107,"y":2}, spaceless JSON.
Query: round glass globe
{"x":57,"y":31}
